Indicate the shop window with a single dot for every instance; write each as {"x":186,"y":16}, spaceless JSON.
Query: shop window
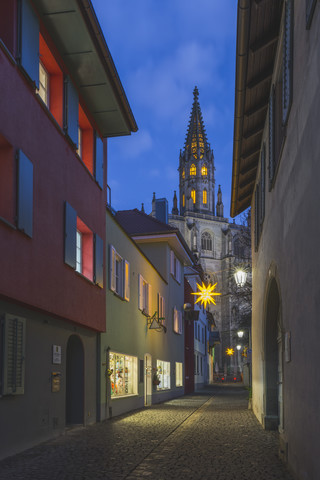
{"x":179,"y":378}
{"x":193,"y":170}
{"x":119,"y":274}
{"x":145,"y":296}
{"x":123,"y":379}
{"x":83,"y":249}
{"x":177,"y":321}
{"x":50,"y":87}
{"x":193,"y":196}
{"x":175,"y":267}
{"x":161,"y":309}
{"x":163,"y":371}
{"x":13,"y":333}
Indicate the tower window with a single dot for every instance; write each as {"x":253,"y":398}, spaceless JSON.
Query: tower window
{"x":183,"y":200}
{"x":193,"y":195}
{"x":205,"y":197}
{"x":206,"y":241}
{"x":183,"y":174}
{"x":204,"y":171}
{"x":193,"y":169}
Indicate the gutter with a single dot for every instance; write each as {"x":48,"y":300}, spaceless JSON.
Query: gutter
{"x":243,"y":33}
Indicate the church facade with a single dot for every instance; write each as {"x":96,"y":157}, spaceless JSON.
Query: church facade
{"x":212,"y":239}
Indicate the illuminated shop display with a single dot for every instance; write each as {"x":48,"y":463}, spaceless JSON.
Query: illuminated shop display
{"x":123,"y":378}
{"x":163,"y":371}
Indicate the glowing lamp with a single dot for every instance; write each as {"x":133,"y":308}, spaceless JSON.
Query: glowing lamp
{"x":230,"y":351}
{"x":240,"y":333}
{"x":238,"y":347}
{"x":240,"y":277}
{"x":206,"y":294}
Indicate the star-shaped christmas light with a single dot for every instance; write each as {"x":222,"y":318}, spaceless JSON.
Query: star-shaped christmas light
{"x":206,"y":294}
{"x":230,"y":351}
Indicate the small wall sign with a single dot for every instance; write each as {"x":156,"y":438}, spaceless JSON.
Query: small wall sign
{"x":55,"y":381}
{"x":56,"y":354}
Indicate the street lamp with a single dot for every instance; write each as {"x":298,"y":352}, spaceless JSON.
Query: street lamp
{"x":240,"y":277}
{"x":240,"y":333}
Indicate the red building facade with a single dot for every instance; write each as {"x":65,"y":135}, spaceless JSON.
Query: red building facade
{"x":57,"y":87}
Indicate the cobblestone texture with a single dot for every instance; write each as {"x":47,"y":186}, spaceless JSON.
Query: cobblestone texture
{"x":209,"y":435}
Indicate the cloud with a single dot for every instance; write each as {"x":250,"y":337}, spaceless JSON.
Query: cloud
{"x":132,"y":146}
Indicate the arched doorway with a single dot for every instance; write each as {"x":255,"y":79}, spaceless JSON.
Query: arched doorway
{"x":74,"y":381}
{"x":273,"y":359}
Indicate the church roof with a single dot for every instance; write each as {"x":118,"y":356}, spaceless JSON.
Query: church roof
{"x":196,"y":140}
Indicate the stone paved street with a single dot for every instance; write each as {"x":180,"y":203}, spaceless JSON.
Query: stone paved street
{"x":208,"y":435}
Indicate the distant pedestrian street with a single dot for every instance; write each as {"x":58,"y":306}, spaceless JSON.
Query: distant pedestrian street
{"x":207,"y":435}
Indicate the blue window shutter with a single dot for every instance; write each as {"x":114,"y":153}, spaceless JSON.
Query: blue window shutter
{"x":25,"y":194}
{"x":98,"y":261}
{"x":71,"y":111}
{"x":70,"y":231}
{"x":29,"y":41}
{"x":99,"y":161}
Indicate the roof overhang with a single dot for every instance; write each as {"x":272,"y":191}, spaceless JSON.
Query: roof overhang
{"x":75,"y":30}
{"x":172,"y":239}
{"x":257,"y":37}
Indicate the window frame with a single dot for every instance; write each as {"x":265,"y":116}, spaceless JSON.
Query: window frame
{"x":193,"y":170}
{"x":144,"y":296}
{"x":177,"y":321}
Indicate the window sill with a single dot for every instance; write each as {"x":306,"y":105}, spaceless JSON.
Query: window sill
{"x":119,"y":397}
{"x":91,"y":282}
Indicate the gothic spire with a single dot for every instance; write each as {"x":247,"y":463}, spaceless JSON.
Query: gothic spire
{"x":196,"y":139}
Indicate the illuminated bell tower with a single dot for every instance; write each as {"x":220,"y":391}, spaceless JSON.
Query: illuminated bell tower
{"x":196,"y":167}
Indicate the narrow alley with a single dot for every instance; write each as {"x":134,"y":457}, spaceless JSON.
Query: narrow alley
{"x":207,"y":435}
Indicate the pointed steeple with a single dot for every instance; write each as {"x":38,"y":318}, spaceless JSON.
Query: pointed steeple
{"x":196,"y":167}
{"x":175,"y":210}
{"x":219,"y":207}
{"x":196,"y":140}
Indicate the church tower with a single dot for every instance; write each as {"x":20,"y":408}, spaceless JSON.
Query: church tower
{"x":196,"y":167}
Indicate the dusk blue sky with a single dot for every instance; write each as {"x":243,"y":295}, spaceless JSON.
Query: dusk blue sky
{"x":161,"y":50}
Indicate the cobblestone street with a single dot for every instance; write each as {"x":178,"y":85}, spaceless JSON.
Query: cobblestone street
{"x":208,"y":435}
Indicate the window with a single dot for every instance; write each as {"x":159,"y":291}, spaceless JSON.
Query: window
{"x":43,"y":84}
{"x":163,"y":371}
{"x":85,"y":255}
{"x":13,"y":355}
{"x":197,"y":369}
{"x":179,"y":378}
{"x":79,"y":149}
{"x":204,"y":170}
{"x":287,"y":61}
{"x":183,"y":174}
{"x":79,"y":252}
{"x":123,"y":379}
{"x":201,"y":360}
{"x":177,"y":321}
{"x":50,"y":82}
{"x":198,"y":332}
{"x":259,"y":212}
{"x":183,"y":200}
{"x":310,"y":7}
{"x":205,"y":197}
{"x":119,"y":274}
{"x":193,"y":195}
{"x":202,"y":335}
{"x":193,"y":170}
{"x":161,"y":309}
{"x":206,"y":242}
{"x":175,"y":267}
{"x":145,"y":296}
